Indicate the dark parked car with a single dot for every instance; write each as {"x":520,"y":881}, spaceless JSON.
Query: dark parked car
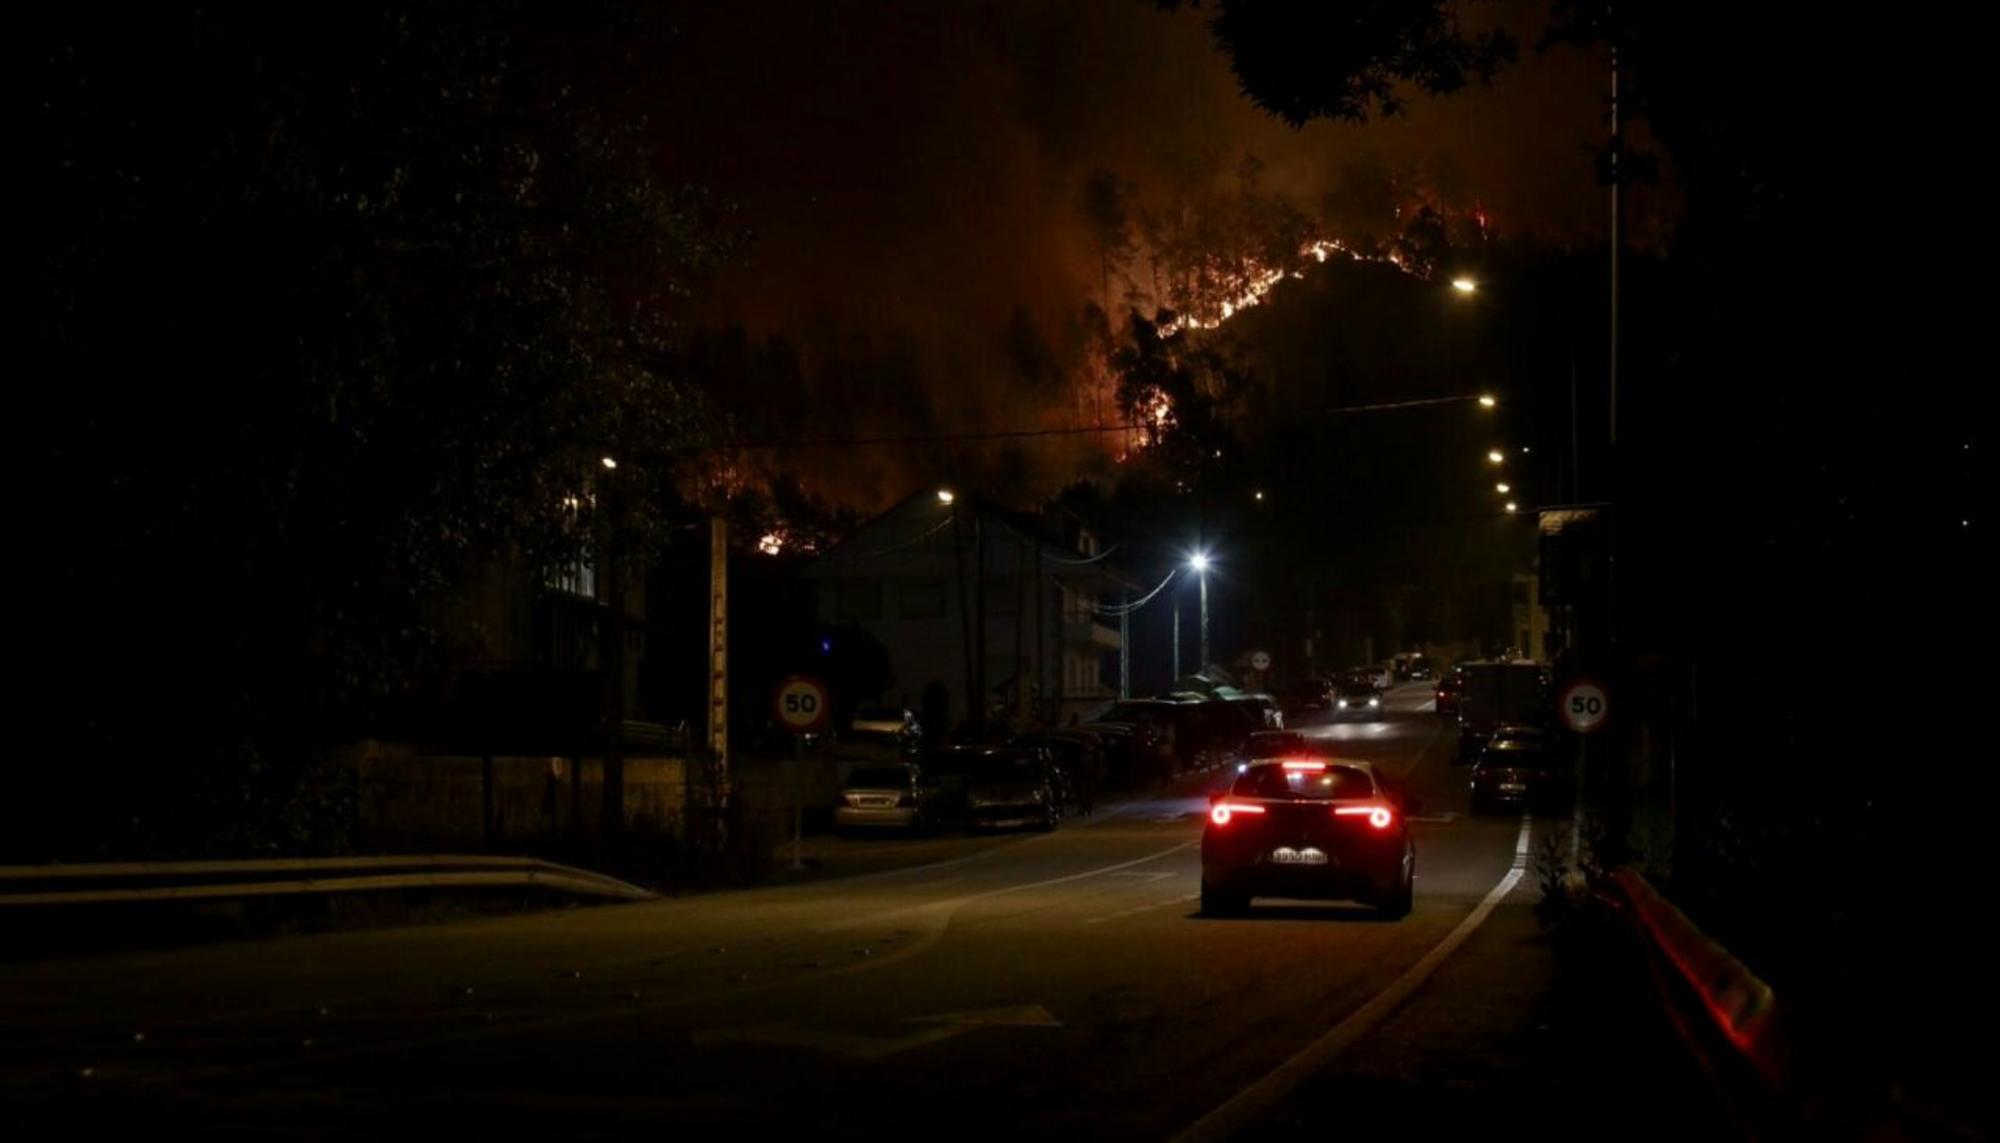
{"x":1309,"y":695}
{"x":1148,"y":726}
{"x":1078,"y":759}
{"x":1011,"y":786}
{"x":1269,"y":714}
{"x":1307,"y":828}
{"x":1521,"y":767}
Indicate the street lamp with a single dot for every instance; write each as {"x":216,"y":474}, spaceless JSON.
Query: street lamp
{"x":1495,"y":456}
{"x":609,"y":463}
{"x":1199,"y":562}
{"x":945,"y":496}
{"x":1503,"y":488}
{"x":1511,"y":506}
{"x":1486,"y":401}
{"x":1464,"y":285}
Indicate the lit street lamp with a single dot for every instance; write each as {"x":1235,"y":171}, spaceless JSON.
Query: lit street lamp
{"x":1486,"y":401}
{"x":1495,"y":456}
{"x":1511,"y":506}
{"x":1464,"y":285}
{"x":945,"y":496}
{"x":1199,"y":562}
{"x":1503,"y":488}
{"x":609,"y":463}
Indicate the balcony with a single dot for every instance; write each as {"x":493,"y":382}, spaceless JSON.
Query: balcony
{"x":1089,"y":633}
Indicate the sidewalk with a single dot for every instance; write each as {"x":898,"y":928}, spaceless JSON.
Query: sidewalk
{"x":1550,"y":1036}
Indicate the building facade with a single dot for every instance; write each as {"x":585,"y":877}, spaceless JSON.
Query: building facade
{"x":970,"y":598}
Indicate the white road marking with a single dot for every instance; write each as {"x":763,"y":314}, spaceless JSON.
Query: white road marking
{"x":1242,"y":1109}
{"x":862,"y":1047}
{"x":954,"y":903}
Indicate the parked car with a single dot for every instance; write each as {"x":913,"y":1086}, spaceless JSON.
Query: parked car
{"x":1148,"y":727}
{"x":1267,"y":709}
{"x":1519,"y":768}
{"x":1011,"y":786}
{"x":1307,"y":828}
{"x":1078,"y":759}
{"x":1306,"y":695}
{"x":878,"y":797}
{"x":1279,"y":744}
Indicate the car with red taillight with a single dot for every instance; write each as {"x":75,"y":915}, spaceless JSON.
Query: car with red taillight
{"x":1311,"y":828}
{"x":1448,"y":690}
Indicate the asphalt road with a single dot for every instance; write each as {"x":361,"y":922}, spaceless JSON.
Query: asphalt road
{"x":1060,"y":984}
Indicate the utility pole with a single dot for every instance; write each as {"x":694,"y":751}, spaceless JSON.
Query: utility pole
{"x":1203,"y":665}
{"x":611,"y":660}
{"x":718,"y":652}
{"x":1041,"y":628}
{"x":1124,"y":644}
{"x":1021,"y":705}
{"x":964,"y":610}
{"x":979,"y":625}
{"x":1177,"y":636}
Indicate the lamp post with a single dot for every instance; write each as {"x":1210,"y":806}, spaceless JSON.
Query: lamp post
{"x":1199,"y":562}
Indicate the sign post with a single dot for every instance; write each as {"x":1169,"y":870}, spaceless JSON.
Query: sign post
{"x":1584,"y":707}
{"x":802,"y":706}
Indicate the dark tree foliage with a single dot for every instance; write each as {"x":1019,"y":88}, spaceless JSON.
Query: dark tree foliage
{"x":1351,"y":62}
{"x":1182,"y":390}
{"x":329,"y":306}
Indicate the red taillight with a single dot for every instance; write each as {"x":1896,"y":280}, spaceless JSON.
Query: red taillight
{"x":1378,"y":816}
{"x":1316,"y":767}
{"x":1223,"y":811}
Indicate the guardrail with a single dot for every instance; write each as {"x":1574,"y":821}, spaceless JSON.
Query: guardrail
{"x":111,"y":883}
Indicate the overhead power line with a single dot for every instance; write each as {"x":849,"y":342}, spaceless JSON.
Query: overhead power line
{"x":1068,"y":431}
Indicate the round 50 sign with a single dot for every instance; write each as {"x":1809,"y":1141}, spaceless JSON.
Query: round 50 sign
{"x":1584,"y":706}
{"x":801,"y":704}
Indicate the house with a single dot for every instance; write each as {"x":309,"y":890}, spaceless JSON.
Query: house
{"x":970,"y":597}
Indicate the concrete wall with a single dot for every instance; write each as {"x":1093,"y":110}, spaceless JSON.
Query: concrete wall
{"x":414,"y":802}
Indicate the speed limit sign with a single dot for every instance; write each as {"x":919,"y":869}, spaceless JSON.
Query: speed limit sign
{"x":801,"y":704}
{"x":1584,"y":706}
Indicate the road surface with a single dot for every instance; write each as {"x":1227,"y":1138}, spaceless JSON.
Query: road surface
{"x":1058,"y":985}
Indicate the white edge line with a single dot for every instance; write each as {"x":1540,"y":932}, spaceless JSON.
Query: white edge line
{"x":1245,"y":1106}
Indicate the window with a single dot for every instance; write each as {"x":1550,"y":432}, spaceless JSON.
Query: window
{"x":921,"y":601}
{"x":860,"y":599}
{"x":579,"y":578}
{"x":1275,"y":781}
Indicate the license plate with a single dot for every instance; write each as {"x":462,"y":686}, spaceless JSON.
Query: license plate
{"x":1290,"y":856}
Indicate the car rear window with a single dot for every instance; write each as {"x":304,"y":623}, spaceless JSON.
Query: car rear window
{"x":879,"y":778}
{"x":1520,"y":755}
{"x":1004,"y":770}
{"x":1332,"y":781}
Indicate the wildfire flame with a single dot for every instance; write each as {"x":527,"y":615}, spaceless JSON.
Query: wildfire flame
{"x":1262,"y":280}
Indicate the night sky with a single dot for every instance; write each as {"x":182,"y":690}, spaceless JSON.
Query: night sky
{"x":910,"y":182}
